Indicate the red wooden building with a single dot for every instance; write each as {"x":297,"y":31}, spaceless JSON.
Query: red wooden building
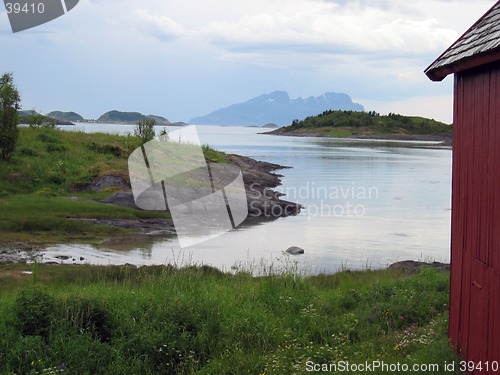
{"x":474,"y":59}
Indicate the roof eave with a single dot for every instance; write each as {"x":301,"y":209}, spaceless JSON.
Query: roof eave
{"x":439,"y":73}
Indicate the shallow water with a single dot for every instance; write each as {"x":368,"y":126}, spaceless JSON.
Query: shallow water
{"x":367,"y":204}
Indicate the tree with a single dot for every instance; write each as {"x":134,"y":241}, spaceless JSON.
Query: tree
{"x":10,"y":103}
{"x":144,"y":130}
{"x":40,"y":121}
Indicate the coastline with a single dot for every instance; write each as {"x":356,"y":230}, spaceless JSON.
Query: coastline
{"x":444,"y":140}
{"x":264,"y":205}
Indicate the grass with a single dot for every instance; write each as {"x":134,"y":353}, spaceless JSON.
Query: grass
{"x":49,"y":169}
{"x":45,"y":218}
{"x":167,"y":320}
{"x":61,"y":162}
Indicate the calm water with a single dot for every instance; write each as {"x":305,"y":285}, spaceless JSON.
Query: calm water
{"x":367,"y":204}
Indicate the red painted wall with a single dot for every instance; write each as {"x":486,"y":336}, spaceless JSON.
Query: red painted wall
{"x":475,"y":244}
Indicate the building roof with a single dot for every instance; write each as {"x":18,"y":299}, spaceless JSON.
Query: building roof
{"x":478,"y":46}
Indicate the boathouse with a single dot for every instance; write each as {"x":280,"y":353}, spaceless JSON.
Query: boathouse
{"x":474,"y":59}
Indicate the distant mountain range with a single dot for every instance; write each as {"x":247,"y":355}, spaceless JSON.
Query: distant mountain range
{"x":109,"y":117}
{"x":277,"y":108}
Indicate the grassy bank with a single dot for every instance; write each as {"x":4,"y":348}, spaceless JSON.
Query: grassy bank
{"x":46,"y":185}
{"x":164,"y":320}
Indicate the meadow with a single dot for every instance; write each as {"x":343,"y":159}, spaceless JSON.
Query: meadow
{"x":47,"y":186}
{"x":199,"y":320}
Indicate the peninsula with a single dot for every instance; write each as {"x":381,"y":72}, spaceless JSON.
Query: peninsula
{"x":74,"y":186}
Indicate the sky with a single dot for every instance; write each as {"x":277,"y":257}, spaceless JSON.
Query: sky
{"x":182,"y":59}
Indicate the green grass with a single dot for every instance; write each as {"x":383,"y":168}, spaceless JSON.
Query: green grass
{"x":48,"y":167}
{"x":165,"y":320}
{"x":61,"y":162}
{"x":46,"y":218}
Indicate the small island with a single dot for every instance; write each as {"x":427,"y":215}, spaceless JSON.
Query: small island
{"x":130,"y":118}
{"x":369,"y":125}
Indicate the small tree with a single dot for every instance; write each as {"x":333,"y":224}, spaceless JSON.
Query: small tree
{"x":145,"y":130}
{"x":40,"y":121}
{"x":10,"y":103}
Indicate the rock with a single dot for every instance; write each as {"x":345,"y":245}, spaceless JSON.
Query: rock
{"x":121,"y":198}
{"x":294,"y":250}
{"x":105,"y":182}
{"x":62,"y":257}
{"x":411,"y":267}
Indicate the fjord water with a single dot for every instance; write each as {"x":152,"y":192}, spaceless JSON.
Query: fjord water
{"x":367,"y":204}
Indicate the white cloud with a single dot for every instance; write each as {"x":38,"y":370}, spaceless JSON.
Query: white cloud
{"x":159,"y":26}
{"x":374,"y":50}
{"x":329,"y":27}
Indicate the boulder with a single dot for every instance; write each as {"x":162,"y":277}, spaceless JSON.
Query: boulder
{"x":294,"y":250}
{"x":121,"y":198}
{"x":109,"y":181}
{"x":411,"y":267}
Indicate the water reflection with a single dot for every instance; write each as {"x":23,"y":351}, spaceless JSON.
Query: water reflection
{"x":402,"y":195}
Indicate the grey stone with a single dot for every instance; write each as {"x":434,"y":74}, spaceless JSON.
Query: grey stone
{"x":294,"y":250}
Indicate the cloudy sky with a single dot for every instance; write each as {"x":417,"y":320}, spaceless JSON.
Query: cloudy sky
{"x":182,"y":59}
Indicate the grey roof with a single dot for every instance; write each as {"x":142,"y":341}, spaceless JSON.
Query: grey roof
{"x":483,"y":38}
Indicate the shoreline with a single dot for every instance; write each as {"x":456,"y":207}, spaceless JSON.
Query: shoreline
{"x":263,"y":202}
{"x":444,"y":141}
{"x":18,"y":257}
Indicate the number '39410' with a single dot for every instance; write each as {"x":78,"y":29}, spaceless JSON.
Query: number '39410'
{"x":17,"y":8}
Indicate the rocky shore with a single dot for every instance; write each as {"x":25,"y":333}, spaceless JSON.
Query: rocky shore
{"x":264,"y":204}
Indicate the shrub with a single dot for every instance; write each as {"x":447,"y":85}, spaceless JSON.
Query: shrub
{"x":34,"y":313}
{"x":86,"y":315}
{"x":144,"y":130}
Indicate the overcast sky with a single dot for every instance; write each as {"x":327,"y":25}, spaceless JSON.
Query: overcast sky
{"x":182,"y":59}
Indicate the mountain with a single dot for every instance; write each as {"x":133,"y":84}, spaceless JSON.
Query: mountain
{"x":27,"y":112}
{"x":278,"y":108}
{"x":130,"y":117}
{"x":65,"y":116}
{"x":28,"y":116}
{"x":270,"y":126}
{"x":117,"y":116}
{"x":159,"y":119}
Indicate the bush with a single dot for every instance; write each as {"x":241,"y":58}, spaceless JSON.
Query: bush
{"x":144,"y":130}
{"x":34,"y":313}
{"x":85,"y":315}
{"x":116,"y":151}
